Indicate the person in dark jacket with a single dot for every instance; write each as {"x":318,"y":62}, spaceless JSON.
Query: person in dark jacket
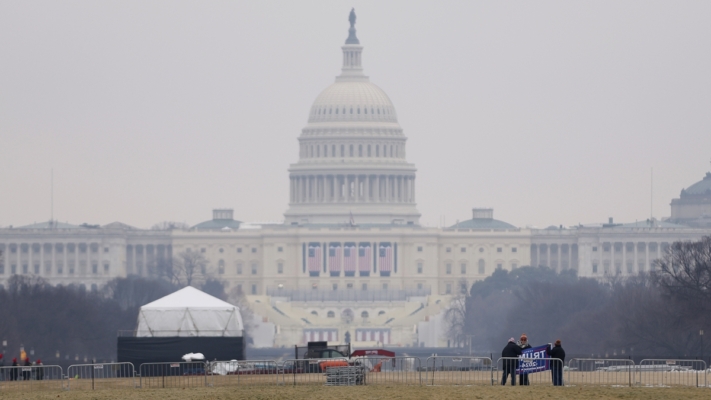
{"x":39,"y":375}
{"x":27,"y":375}
{"x":523,"y":344}
{"x":13,"y":371}
{"x":557,"y":367}
{"x":511,"y":351}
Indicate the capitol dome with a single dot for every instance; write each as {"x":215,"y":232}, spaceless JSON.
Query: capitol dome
{"x":352,"y":101}
{"x":352,"y":166}
{"x":702,"y":187}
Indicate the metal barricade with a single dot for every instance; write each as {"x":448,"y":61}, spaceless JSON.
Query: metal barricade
{"x":308,"y":371}
{"x":390,"y":370}
{"x":452,"y":370}
{"x":594,"y":371}
{"x":245,"y":372}
{"x":31,"y":378}
{"x":179,"y":374}
{"x":672,"y":373}
{"x":101,"y":376}
{"x":506,"y":366}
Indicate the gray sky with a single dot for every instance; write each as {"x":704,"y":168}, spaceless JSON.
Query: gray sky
{"x":550,"y":112}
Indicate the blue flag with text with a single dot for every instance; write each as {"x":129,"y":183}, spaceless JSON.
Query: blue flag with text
{"x":533,"y":360}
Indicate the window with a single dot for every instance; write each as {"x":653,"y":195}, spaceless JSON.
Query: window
{"x":499,"y":265}
{"x":47,"y":267}
{"x":2,"y":269}
{"x":419,"y":286}
{"x":463,"y":250}
{"x":254,"y":268}
{"x":448,"y":288}
{"x":448,"y":269}
{"x":314,"y":286}
{"x":364,"y":286}
{"x":377,"y":150}
{"x":239,"y":268}
{"x":463,"y":267}
{"x":314,"y":312}
{"x":364,"y":314}
{"x":221,"y":267}
{"x":449,"y":249}
{"x":239,"y":249}
{"x":222,"y":250}
{"x":71,"y":268}
{"x":594,"y":248}
{"x":254,"y":289}
{"x":368,"y":150}
{"x":60,"y":268}
{"x":385,"y":286}
{"x":94,"y":268}
{"x":106,"y":268}
{"x":499,"y":250}
{"x":335,"y":286}
{"x":343,"y":152}
{"x":24,"y":268}
{"x":13,"y":269}
{"x":202,"y":250}
{"x":514,"y":250}
{"x":360,"y":150}
{"x":594,"y":268}
{"x":280,"y":249}
{"x":463,"y":288}
{"x":350,"y":150}
{"x":94,"y":288}
{"x":381,"y":312}
{"x":482,"y":267}
{"x":106,"y":249}
{"x":254,"y":249}
{"x":419,"y":267}
{"x":280,"y":268}
{"x":330,"y":314}
{"x":481,"y":249}
{"x":36,"y":269}
{"x":514,"y":266}
{"x":419,"y":249}
{"x":239,"y":288}
{"x":349,"y":285}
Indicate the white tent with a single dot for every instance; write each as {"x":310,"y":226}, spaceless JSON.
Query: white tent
{"x":189,"y":312}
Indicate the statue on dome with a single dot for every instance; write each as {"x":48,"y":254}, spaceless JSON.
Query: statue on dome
{"x":352,"y":39}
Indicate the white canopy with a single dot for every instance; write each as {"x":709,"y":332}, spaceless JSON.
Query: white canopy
{"x":189,"y":312}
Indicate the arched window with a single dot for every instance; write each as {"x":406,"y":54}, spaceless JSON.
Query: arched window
{"x":331,"y":314}
{"x":364,"y":314}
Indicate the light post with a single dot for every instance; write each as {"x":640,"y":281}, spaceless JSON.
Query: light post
{"x":701,"y":337}
{"x":469,"y":339}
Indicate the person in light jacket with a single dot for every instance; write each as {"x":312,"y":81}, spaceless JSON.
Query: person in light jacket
{"x":523,"y":344}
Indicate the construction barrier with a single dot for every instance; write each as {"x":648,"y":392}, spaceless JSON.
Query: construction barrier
{"x":450,"y":370}
{"x":101,"y":376}
{"x":308,"y":371}
{"x":167,"y":375}
{"x":31,"y":378}
{"x":506,"y":366}
{"x":672,"y":373}
{"x":390,"y":370}
{"x":250,"y":372}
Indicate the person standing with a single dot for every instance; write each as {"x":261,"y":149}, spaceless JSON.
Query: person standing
{"x":27,"y":372}
{"x":40,"y":370}
{"x":13,"y":371}
{"x":523,"y":344}
{"x":2,"y":370}
{"x":557,"y":367}
{"x":510,"y":356}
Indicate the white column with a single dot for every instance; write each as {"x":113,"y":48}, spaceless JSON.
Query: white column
{"x":646,"y":257}
{"x":413,"y":189}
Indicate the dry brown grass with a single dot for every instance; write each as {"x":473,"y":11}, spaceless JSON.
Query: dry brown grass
{"x":318,"y":392}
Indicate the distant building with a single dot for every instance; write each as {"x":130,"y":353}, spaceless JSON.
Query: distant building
{"x":351,"y":256}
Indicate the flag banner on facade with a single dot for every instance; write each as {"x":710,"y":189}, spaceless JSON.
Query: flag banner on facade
{"x":334,"y":258}
{"x":350,"y":258}
{"x":314,"y":258}
{"x":385,"y":258}
{"x":533,"y":360}
{"x":364,"y":256}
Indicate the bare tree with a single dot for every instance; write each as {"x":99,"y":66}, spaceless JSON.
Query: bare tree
{"x":456,"y":319}
{"x":186,"y":268}
{"x":237,"y":297}
{"x":684,"y":272}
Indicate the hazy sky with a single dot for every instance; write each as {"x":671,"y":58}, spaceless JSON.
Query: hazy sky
{"x":549,"y":112}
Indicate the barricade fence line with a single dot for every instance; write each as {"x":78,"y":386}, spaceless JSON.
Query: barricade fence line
{"x":658,"y":372}
{"x":600,"y":372}
{"x":242,"y":372}
{"x":455,"y":370}
{"x":508,"y":367}
{"x":178,"y":374}
{"x":390,"y":370}
{"x":31,"y":378}
{"x":101,"y":376}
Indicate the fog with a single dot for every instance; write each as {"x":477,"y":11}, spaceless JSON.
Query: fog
{"x":549,"y":112}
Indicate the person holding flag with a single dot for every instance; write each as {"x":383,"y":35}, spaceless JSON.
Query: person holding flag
{"x":523,"y":344}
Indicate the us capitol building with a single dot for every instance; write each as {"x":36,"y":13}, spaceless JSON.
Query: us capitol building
{"x":351,"y":259}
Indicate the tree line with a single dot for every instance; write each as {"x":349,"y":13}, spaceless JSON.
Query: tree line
{"x":663,"y":313}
